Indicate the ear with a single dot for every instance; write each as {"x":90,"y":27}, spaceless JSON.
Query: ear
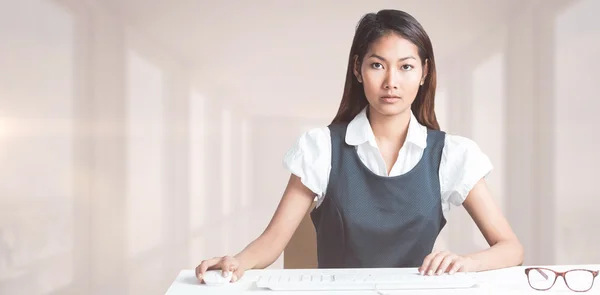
{"x":356,"y":69}
{"x":425,"y":72}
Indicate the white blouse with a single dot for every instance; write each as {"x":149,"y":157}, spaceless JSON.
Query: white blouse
{"x":462,"y":165}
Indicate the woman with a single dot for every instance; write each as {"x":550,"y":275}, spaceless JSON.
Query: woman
{"x":382,"y":172}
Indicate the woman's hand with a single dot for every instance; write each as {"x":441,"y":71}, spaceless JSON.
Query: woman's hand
{"x":440,"y":262}
{"x":225,"y":263}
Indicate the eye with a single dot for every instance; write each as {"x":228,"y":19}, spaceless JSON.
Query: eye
{"x":376,"y":65}
{"x":407,"y":67}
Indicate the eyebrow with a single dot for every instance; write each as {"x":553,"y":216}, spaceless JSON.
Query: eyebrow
{"x":383,"y":59}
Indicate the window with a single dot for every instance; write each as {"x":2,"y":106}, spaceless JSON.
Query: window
{"x":577,"y":44}
{"x":145,"y":154}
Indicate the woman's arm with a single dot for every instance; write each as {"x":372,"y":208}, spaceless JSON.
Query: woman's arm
{"x":505,"y":249}
{"x":263,"y":251}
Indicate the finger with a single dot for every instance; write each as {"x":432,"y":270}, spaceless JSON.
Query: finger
{"x":445,"y":264}
{"x":427,"y":262}
{"x":229,"y":265}
{"x":435,"y":263}
{"x":208,"y":264}
{"x":205,"y":265}
{"x":237,"y":274}
{"x":455,"y":267}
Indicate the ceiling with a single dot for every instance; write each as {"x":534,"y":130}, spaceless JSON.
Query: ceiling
{"x":253,"y":47}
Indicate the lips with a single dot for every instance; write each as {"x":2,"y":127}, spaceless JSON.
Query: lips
{"x":390,"y":99}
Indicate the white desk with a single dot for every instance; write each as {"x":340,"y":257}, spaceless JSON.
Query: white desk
{"x":504,"y":281}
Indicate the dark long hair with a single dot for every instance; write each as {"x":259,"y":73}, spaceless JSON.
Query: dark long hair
{"x":371,"y":27}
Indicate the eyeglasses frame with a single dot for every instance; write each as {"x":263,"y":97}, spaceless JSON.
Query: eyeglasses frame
{"x":559,"y":274}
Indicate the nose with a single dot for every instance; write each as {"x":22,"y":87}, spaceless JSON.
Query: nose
{"x":391,"y":80}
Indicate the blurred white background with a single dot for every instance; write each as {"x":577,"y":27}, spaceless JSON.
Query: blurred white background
{"x":138,"y":137}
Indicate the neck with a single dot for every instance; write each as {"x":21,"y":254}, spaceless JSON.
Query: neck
{"x":389,"y":128}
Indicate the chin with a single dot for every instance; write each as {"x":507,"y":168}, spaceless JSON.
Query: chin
{"x":390,"y":109}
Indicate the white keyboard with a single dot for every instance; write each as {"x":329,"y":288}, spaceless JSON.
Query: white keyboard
{"x":362,"y":281}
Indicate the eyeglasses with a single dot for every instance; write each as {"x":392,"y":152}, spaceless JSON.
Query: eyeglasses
{"x":577,"y":280}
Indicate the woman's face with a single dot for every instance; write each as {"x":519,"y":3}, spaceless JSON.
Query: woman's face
{"x":391,"y":73}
